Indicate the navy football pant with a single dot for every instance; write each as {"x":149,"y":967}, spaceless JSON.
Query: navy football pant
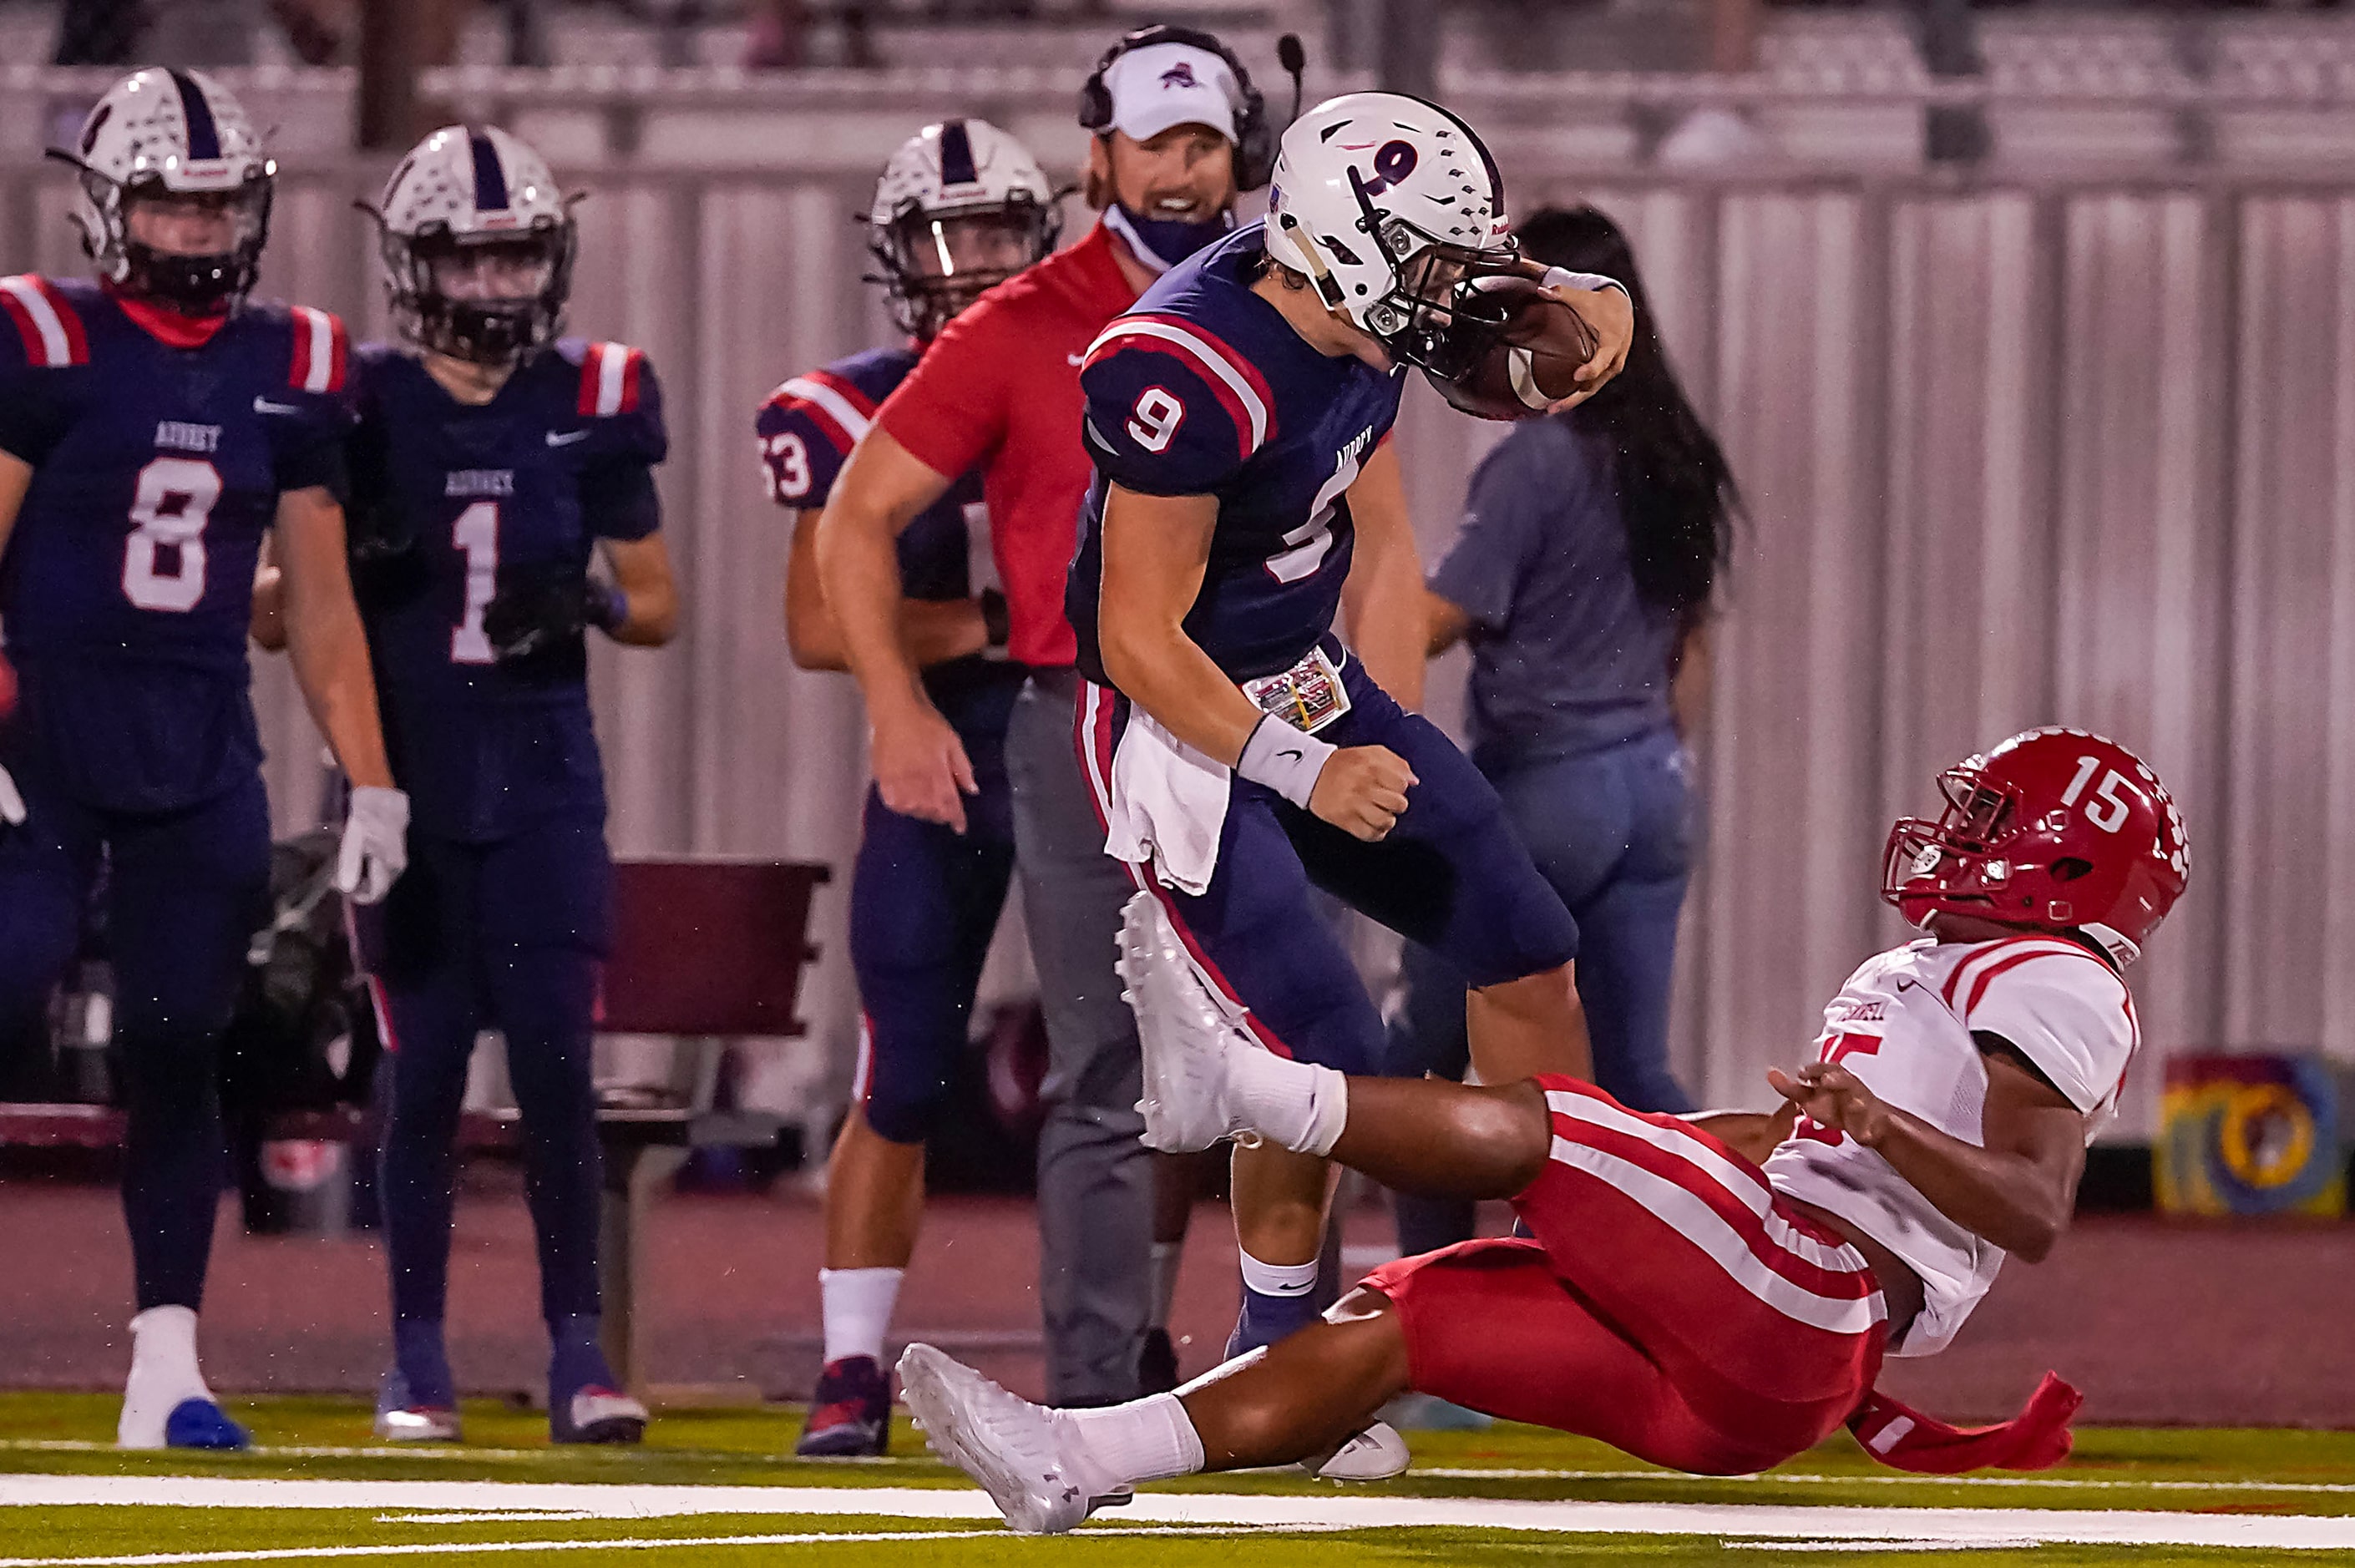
{"x":1450,"y":875}
{"x":924,"y":901}
{"x":507,"y":936}
{"x":186,"y":892}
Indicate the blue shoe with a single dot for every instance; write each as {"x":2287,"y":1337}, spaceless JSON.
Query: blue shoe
{"x":201,"y":1424}
{"x":850,"y":1413}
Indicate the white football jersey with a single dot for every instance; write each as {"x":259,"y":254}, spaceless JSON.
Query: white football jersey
{"x":1902,"y":1023}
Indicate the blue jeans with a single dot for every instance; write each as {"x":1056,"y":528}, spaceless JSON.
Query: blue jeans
{"x":1615,"y":832}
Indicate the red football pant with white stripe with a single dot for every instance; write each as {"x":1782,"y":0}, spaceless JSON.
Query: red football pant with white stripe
{"x":1671,"y":1304}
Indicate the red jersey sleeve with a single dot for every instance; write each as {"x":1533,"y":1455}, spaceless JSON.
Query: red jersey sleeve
{"x":951,"y":410}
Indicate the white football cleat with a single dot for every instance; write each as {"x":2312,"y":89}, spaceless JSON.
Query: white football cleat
{"x":1005,"y":1443}
{"x":1185,"y":1033}
{"x":417,"y":1423}
{"x":1376,"y":1453}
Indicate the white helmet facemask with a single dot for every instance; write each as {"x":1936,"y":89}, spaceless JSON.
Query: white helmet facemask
{"x":476,"y":243}
{"x":175,"y":199}
{"x":1390,"y":207}
{"x":961,"y":207}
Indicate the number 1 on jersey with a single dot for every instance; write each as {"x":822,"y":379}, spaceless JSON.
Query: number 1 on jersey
{"x":477,"y":534}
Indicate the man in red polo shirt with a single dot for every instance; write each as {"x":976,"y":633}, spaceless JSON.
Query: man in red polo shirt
{"x":1177,"y":130}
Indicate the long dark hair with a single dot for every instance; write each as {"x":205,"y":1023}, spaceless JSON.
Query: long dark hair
{"x":1676,"y":494}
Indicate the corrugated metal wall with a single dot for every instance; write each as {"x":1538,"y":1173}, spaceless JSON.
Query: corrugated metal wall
{"x":2013,"y":455}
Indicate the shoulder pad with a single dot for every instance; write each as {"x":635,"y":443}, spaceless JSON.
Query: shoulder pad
{"x":612,"y":379}
{"x":48,"y":325}
{"x":321,"y":350}
{"x":830,"y":401}
{"x":1231,"y":379}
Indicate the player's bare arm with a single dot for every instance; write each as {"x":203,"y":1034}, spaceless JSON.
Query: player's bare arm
{"x":1155,"y":549}
{"x":1751,"y":1134}
{"x":324,"y":637}
{"x":15,"y":478}
{"x":268,"y":624}
{"x":931,"y":632}
{"x":641,"y":570}
{"x":919,"y":765}
{"x":2017,"y":1191}
{"x":1383,"y":596}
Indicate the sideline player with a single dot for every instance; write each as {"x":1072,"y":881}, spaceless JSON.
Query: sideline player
{"x":1238,"y":417}
{"x":1716,"y":1293}
{"x":493,"y":461}
{"x":961,"y":207}
{"x":1177,"y":129}
{"x":154,"y":426}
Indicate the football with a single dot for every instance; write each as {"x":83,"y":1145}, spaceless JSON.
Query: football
{"x":1544,"y":345}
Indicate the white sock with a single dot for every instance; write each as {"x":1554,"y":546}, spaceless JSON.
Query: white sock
{"x":1278,"y":1278}
{"x":162,"y":1373}
{"x":857,"y":1306}
{"x":1121,"y":1444}
{"x":1298,"y":1104}
{"x":1165,"y":1256}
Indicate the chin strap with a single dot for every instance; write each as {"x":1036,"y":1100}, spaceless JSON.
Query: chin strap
{"x":1904,"y":1439}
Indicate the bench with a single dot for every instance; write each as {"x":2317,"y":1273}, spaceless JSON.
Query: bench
{"x":705,"y":949}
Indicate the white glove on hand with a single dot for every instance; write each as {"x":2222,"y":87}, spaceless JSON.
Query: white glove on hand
{"x":376,"y":844}
{"x":12,"y":803}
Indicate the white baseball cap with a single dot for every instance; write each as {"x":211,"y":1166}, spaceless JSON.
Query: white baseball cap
{"x":1163,"y":85}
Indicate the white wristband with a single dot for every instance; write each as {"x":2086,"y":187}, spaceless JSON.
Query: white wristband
{"x":1585,"y":282}
{"x":1283,"y":759}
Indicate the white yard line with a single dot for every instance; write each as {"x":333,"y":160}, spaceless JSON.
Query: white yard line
{"x":1772,"y":1477}
{"x":625,"y":1543}
{"x":1364,"y":1510}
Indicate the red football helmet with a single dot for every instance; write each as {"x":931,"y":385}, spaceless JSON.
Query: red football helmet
{"x":2054,"y":830}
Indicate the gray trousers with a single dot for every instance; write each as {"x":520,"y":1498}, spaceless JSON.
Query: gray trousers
{"x":1095,"y":1179}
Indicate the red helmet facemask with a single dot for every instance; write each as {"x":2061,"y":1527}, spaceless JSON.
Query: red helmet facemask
{"x":2056,"y":830}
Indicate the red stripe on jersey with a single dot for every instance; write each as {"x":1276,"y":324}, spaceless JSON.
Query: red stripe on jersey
{"x":1990,"y":974}
{"x":1235,"y":362}
{"x":817,"y":414}
{"x":77,"y":345}
{"x":1244,"y":397}
{"x":1952,"y":990}
{"x":37,"y":351}
{"x":339,"y":346}
{"x":298,"y":365}
{"x":591,"y":366}
{"x":849,"y":390}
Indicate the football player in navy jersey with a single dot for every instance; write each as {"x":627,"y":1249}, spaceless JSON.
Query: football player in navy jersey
{"x":961,"y":207}
{"x":493,"y":463}
{"x":154,"y":426}
{"x":1237,"y":417}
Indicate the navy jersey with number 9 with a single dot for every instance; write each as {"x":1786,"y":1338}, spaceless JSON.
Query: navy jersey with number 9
{"x":128,"y":584}
{"x":453,"y":502}
{"x":1203,"y":388}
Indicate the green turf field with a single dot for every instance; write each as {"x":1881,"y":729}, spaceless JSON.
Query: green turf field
{"x":709,"y":1487}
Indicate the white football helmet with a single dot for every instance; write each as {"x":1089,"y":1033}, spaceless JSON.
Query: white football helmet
{"x":476,"y":241}
{"x":1387,"y":206}
{"x":961,"y":207}
{"x":159,"y":135}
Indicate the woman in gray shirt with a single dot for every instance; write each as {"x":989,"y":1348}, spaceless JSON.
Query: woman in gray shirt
{"x":1581,"y":579}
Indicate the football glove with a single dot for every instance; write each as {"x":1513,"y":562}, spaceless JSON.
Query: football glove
{"x":533,"y":615}
{"x":375,"y":850}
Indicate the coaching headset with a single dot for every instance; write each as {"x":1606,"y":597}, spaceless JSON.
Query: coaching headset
{"x":1254,"y":136}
